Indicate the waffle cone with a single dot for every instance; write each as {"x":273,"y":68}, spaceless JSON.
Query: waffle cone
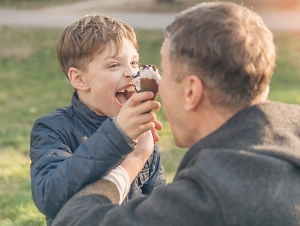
{"x":149,"y":85}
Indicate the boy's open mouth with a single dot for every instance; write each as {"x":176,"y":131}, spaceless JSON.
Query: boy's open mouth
{"x":124,"y":94}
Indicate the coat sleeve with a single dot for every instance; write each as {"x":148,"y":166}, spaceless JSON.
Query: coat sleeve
{"x":157,"y":176}
{"x":58,"y":172}
{"x":183,"y":202}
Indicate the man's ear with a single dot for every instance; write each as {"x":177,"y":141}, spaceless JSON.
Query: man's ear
{"x":77,"y":79}
{"x":193,"y":92}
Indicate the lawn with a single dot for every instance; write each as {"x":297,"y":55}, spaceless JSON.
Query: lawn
{"x":31,"y":85}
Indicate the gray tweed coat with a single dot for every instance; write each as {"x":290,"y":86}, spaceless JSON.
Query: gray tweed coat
{"x":247,"y":173}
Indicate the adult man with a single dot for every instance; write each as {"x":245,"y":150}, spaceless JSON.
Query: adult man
{"x":242,"y":167}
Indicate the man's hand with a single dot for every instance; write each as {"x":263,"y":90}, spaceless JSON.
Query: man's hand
{"x":134,"y":162}
{"x":136,"y":116}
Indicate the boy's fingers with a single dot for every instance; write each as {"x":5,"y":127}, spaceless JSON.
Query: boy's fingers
{"x":146,"y":118}
{"x":136,"y":116}
{"x":158,"y":124}
{"x":137,"y":98}
{"x":155,"y":135}
{"x":147,"y":106}
{"x":144,"y":128}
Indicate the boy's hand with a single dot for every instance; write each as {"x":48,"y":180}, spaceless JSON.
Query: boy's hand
{"x":158,"y":126}
{"x":136,"y":116}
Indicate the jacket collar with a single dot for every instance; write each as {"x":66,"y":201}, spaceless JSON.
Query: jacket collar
{"x":255,"y":126}
{"x":85,"y":114}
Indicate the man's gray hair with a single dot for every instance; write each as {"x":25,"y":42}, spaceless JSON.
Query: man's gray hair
{"x":228,"y":46}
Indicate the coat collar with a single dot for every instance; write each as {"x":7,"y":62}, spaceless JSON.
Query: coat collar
{"x":85,"y":114}
{"x":270,"y":124}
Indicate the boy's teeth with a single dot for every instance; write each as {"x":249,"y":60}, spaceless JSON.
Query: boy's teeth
{"x":128,"y":89}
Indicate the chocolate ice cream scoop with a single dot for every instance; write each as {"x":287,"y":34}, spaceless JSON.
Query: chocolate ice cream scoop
{"x":149,"y":79}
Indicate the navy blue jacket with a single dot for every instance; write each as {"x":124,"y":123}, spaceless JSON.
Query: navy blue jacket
{"x":73,"y":147}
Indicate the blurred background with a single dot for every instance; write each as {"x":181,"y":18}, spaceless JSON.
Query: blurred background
{"x":32,"y":85}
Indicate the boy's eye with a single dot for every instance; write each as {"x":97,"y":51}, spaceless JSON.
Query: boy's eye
{"x":135,"y":63}
{"x":113,"y":65}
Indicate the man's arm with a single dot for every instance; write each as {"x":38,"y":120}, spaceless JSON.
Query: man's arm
{"x":184,"y":202}
{"x":187,"y":201}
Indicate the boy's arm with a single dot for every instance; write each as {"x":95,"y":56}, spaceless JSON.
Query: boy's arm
{"x":57,"y":173}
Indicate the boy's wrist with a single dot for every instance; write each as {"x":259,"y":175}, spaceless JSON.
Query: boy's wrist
{"x":129,"y":141}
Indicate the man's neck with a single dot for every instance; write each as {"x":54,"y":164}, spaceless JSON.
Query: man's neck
{"x":210,"y":120}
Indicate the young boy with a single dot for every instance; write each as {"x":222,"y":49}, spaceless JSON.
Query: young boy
{"x":79,"y":144}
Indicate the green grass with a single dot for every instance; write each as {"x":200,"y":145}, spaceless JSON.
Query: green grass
{"x":286,"y":80}
{"x":16,"y":203}
{"x":31,"y":85}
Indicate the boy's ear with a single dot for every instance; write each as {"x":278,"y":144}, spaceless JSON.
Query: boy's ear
{"x":193,"y":92}
{"x":77,"y":79}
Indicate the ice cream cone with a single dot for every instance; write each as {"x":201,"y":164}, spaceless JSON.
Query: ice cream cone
{"x":149,"y":85}
{"x":149,"y":79}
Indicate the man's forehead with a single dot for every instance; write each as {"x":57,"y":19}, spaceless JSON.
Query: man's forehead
{"x":164,"y":47}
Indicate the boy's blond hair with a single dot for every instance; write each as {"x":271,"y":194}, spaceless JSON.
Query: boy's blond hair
{"x":83,"y":39}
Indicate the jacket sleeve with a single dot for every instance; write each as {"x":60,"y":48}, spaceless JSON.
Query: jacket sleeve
{"x":157,"y":176}
{"x":183,"y":202}
{"x":58,"y":172}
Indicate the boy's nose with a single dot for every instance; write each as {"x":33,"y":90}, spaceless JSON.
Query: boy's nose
{"x":127,"y":73}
